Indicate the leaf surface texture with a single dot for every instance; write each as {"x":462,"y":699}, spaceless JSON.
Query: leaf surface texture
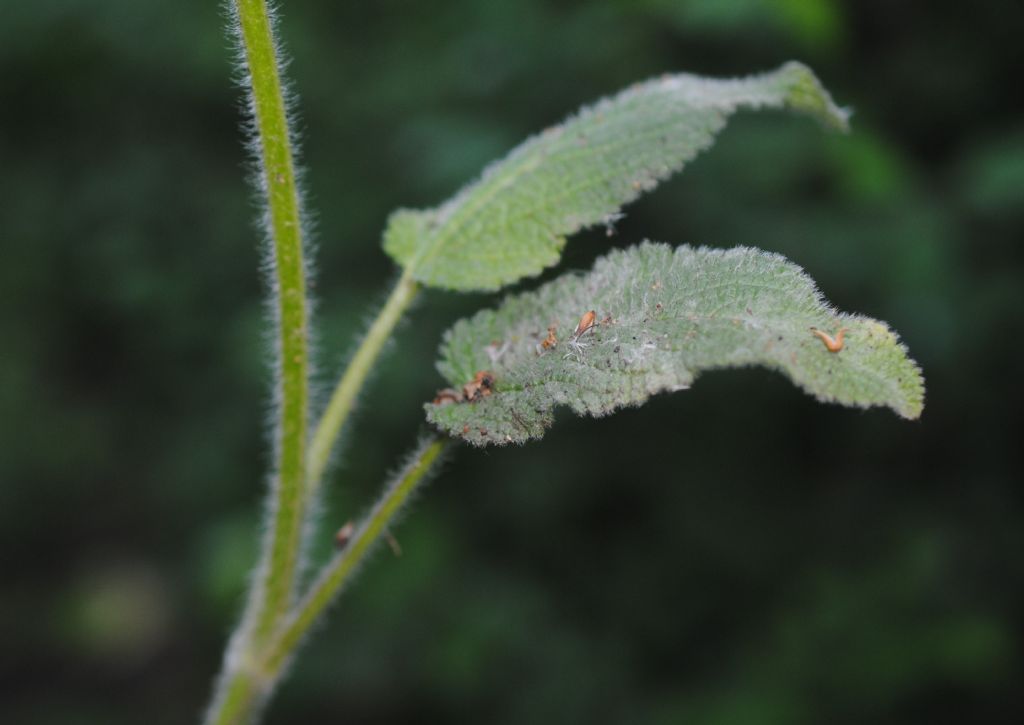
{"x":513,"y":221}
{"x":663,"y":315}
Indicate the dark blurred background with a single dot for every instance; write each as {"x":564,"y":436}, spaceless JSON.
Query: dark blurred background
{"x":733,"y":554}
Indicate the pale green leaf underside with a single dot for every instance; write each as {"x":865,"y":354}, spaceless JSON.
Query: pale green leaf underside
{"x":673,"y":313}
{"x":513,"y":221}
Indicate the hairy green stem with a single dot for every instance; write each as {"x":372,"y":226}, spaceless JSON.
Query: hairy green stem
{"x":344,"y":396}
{"x":338,"y":570}
{"x":252,"y":679}
{"x":285,"y":229}
{"x":240,"y":690}
{"x":238,"y":700}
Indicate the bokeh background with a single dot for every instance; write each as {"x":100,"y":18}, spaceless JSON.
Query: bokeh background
{"x":733,"y":554}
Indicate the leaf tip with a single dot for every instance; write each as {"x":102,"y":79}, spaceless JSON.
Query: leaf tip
{"x":914,"y":403}
{"x":804,"y":92}
{"x":907,"y":399}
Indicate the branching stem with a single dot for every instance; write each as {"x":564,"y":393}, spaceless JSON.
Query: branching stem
{"x":252,"y":681}
{"x":337,"y":572}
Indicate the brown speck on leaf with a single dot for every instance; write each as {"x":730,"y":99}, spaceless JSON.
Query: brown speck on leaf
{"x":548,"y":342}
{"x":446,"y":396}
{"x":586,"y":323}
{"x":481,"y":386}
{"x":832,"y":344}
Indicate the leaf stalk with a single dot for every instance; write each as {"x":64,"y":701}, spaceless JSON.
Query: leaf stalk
{"x":352,"y":380}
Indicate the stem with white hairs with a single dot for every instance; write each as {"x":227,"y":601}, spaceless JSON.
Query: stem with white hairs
{"x":272,"y":590}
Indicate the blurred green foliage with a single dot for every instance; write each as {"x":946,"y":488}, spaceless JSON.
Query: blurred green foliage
{"x":839,"y":567}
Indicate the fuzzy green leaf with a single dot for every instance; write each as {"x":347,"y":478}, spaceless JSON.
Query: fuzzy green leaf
{"x":663,"y":316}
{"x":513,"y":221}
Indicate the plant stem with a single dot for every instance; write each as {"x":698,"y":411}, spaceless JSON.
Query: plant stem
{"x":338,"y":570}
{"x":237,"y":700}
{"x":248,"y":683}
{"x":278,"y":179}
{"x":344,"y":395}
{"x":277,"y":169}
{"x":240,"y":690}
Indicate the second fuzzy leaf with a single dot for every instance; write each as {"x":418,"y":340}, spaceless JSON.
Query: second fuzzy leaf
{"x":513,"y":221}
{"x":662,"y":316}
